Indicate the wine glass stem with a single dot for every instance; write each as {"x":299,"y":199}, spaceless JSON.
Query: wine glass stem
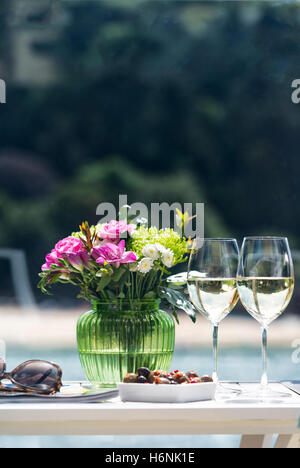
{"x":215,"y":350}
{"x":264,"y":380}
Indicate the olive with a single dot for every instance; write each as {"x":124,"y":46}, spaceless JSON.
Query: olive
{"x":181,"y":378}
{"x":206,"y":378}
{"x":164,"y":381}
{"x":130,"y":378}
{"x":151,"y":378}
{"x":197,"y":379}
{"x":190,"y":374}
{"x":144,"y":371}
{"x":142,"y":379}
{"x":160,"y":373}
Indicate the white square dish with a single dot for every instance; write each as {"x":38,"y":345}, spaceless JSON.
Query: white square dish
{"x":167,"y":393}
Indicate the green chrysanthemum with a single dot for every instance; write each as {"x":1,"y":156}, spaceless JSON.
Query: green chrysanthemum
{"x":168,"y":238}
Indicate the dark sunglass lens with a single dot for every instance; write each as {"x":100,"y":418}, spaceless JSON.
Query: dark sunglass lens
{"x":37,"y":375}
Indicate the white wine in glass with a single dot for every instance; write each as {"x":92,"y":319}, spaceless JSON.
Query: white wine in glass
{"x":213,"y":297}
{"x":212,"y":283}
{"x":265,"y":284}
{"x":266,"y":298}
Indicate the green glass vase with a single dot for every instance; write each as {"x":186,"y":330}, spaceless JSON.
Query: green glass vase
{"x":116,"y":338}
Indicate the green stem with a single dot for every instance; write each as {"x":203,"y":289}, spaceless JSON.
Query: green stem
{"x":161,"y":275}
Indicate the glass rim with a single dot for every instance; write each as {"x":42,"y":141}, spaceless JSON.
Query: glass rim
{"x":265,"y":238}
{"x":125,"y":301}
{"x":216,"y":239}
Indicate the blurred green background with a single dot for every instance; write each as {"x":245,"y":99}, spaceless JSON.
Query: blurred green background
{"x":160,"y":100}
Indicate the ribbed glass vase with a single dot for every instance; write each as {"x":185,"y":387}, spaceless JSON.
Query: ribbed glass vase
{"x":116,"y":338}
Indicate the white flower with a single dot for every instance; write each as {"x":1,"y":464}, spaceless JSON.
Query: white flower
{"x":150,"y":251}
{"x":168,"y":258}
{"x":133,"y":267}
{"x":145,"y":265}
{"x":160,"y":248}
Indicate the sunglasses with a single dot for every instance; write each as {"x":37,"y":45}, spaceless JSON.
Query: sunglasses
{"x":41,"y":377}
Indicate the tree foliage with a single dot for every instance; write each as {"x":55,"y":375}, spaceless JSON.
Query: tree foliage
{"x":193,"y":98}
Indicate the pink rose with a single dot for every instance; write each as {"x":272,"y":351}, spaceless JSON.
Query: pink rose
{"x":51,"y":259}
{"x":113,"y":230}
{"x":70,"y":249}
{"x":113,"y":254}
{"x":70,"y":245}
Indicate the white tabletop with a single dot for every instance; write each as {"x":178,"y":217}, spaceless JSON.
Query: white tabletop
{"x":234,"y":416}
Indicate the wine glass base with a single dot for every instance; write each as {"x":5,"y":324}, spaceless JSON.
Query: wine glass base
{"x":264,"y":395}
{"x":225,"y":390}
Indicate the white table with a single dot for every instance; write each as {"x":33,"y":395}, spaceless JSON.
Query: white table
{"x":256,"y":422}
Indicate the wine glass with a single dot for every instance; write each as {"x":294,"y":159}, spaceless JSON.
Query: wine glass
{"x":212,"y":284}
{"x":265,"y":284}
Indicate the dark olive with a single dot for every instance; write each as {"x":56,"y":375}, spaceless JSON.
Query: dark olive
{"x":151,"y":378}
{"x":130,"y":378}
{"x":144,"y":371}
{"x":142,"y":379}
{"x":206,"y":378}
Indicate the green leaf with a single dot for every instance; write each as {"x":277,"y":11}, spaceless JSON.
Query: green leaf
{"x":124,"y":280}
{"x":178,"y":300}
{"x":54,"y":278}
{"x":164,"y":270}
{"x":150,"y":295}
{"x":105,"y":280}
{"x":111,"y":295}
{"x":175,"y":315}
{"x":42,"y":286}
{"x":118,"y":275}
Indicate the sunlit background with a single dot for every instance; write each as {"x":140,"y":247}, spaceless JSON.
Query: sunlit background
{"x":162,"y":101}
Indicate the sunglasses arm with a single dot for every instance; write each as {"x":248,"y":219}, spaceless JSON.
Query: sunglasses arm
{"x":5,"y":376}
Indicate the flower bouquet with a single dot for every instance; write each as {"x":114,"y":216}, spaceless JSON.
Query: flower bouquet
{"x":121,"y":269}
